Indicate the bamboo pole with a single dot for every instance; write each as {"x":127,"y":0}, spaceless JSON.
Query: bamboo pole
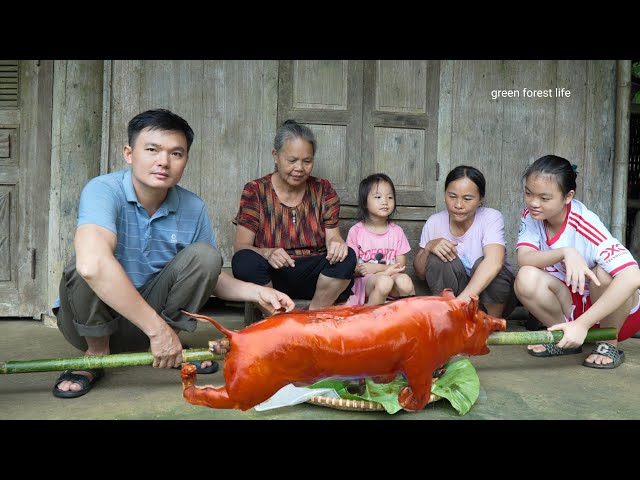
{"x":546,"y":336}
{"x":98,"y":361}
{"x":190,"y":355}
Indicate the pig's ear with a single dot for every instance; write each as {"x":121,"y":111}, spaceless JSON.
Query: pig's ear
{"x":448,"y":293}
{"x":472,"y":306}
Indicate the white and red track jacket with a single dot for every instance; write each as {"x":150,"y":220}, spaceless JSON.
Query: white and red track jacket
{"x":582,"y":230}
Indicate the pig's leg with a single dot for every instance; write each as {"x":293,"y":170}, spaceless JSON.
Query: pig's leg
{"x":416,"y":396}
{"x":207,"y":396}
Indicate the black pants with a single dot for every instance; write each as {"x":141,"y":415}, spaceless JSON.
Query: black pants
{"x":297,"y":282}
{"x":186,"y":282}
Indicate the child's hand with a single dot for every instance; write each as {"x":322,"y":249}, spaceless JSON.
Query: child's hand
{"x":394,"y":269}
{"x":577,"y":271}
{"x":368,"y":269}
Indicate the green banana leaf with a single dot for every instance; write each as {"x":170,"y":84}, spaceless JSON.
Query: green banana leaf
{"x":459,"y":384}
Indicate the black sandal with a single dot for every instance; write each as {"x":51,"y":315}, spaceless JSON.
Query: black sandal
{"x":84,"y":382}
{"x":552,"y":350}
{"x":606,"y":350}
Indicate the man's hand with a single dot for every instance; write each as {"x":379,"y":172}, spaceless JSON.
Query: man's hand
{"x":166,"y":347}
{"x":272,"y":300}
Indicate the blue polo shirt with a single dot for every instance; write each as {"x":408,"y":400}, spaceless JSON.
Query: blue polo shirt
{"x":145,"y":244}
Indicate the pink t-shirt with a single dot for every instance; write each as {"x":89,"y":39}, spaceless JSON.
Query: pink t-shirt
{"x":487,"y":228}
{"x":374,"y":248}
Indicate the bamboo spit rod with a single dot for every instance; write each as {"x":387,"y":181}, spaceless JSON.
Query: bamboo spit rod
{"x":190,"y":355}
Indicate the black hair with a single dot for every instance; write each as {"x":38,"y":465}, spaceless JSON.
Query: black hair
{"x":472,"y":173}
{"x":158,"y":119}
{"x":366,"y":184}
{"x":291,"y":130}
{"x":559,"y":168}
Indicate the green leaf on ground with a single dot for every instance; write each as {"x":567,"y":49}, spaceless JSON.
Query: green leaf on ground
{"x":459,"y":384}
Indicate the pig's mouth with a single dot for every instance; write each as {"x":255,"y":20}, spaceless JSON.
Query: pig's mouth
{"x":500,"y":325}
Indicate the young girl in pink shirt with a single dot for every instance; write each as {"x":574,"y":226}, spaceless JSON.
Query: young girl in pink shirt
{"x":380,"y":245}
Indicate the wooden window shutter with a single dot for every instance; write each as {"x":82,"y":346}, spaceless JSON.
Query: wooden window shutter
{"x":8,"y":84}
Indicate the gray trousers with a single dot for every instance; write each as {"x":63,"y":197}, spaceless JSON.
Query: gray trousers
{"x":441,"y":275}
{"x":186,"y":282}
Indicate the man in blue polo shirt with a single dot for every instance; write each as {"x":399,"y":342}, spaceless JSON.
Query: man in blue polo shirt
{"x":144,"y":249}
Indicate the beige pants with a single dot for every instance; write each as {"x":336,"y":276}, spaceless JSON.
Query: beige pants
{"x":186,"y":282}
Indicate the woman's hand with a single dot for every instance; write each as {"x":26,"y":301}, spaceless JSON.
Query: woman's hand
{"x":574,"y":334}
{"x":337,"y":251}
{"x":577,"y":270}
{"x":279,"y":258}
{"x":444,"y":249}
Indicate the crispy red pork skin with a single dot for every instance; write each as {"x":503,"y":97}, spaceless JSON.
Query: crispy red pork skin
{"x":412,"y":336}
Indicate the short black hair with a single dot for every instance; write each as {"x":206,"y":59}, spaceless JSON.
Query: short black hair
{"x":158,"y":119}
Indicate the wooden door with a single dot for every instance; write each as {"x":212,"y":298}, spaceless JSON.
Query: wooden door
{"x":327,"y":96}
{"x":25,"y":149}
{"x":373,"y":116}
{"x":400,"y":121}
{"x":368,"y":117}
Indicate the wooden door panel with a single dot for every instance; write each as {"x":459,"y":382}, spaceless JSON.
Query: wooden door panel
{"x":231,"y":106}
{"x":25,"y":149}
{"x":9,"y":171}
{"x":400,"y":121}
{"x":7,"y":237}
{"x":326,"y":95}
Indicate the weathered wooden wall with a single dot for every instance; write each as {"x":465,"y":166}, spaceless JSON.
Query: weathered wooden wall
{"x":75,"y":154}
{"x":231,"y":106}
{"x":502,"y":137}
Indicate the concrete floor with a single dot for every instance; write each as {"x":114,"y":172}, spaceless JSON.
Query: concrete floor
{"x":514,"y":385}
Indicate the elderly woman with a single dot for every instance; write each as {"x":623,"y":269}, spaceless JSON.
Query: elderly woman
{"x":287,"y":233}
{"x":463,"y":246}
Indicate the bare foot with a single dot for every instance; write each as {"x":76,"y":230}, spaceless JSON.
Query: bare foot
{"x":68,"y":385}
{"x":220,"y":347}
{"x":536,"y":348}
{"x":601,"y":359}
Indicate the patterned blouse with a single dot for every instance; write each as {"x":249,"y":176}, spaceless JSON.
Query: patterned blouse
{"x":300,"y":230}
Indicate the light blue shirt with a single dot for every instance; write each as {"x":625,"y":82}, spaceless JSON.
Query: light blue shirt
{"x":145,"y":244}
